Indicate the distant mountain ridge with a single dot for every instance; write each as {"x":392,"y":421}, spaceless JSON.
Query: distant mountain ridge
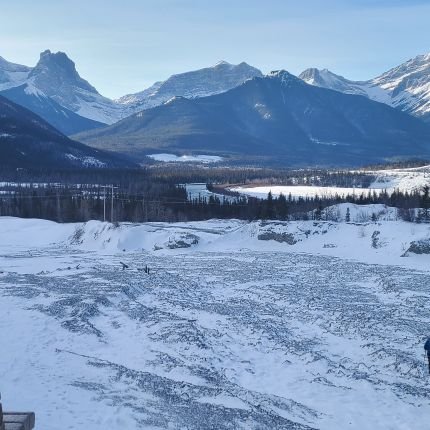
{"x":277,"y":117}
{"x":405,"y":87}
{"x":198,"y":83}
{"x":55,"y":91}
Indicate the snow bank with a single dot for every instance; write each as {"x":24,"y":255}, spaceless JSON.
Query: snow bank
{"x":384,"y":241}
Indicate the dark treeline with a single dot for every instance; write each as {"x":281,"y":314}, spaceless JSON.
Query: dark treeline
{"x":153,"y":194}
{"x":65,"y":203}
{"x":135,"y":179}
{"x":255,"y":176}
{"x":169,"y":203}
{"x":311,"y":208}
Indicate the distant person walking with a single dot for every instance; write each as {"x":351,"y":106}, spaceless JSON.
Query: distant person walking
{"x":427,"y":350}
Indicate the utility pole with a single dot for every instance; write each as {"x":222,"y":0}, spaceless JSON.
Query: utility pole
{"x":111,"y":208}
{"x":104,"y":204}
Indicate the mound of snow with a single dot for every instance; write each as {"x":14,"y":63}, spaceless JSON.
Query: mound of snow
{"x":373,"y":235}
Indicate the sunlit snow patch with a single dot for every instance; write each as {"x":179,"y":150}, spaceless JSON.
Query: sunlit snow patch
{"x":172,"y":158}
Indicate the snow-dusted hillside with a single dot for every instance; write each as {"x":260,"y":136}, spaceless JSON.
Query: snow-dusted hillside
{"x":238,"y":325}
{"x":406,"y":87}
{"x":217,"y":79}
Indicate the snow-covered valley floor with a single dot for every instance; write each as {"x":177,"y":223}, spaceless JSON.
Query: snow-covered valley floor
{"x":231,"y":332}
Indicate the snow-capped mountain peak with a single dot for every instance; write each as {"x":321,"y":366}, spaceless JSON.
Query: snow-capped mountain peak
{"x":406,"y":87}
{"x":222,"y":63}
{"x":326,"y":79}
{"x":55,"y":70}
{"x":56,"y":76}
{"x":208,"y":81}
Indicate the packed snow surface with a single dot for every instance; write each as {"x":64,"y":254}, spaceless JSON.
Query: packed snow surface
{"x":172,"y":158}
{"x":261,"y":325}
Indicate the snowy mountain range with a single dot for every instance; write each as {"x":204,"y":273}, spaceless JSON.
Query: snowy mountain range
{"x":406,"y":87}
{"x":277,"y":118}
{"x":54,"y":90}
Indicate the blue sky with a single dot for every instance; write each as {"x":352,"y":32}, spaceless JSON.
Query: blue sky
{"x":124,"y":46}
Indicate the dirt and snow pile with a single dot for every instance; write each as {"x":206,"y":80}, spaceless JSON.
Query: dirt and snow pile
{"x":420,"y":246}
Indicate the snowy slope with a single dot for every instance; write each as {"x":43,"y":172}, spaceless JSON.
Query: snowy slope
{"x":232,"y":332}
{"x":47,"y":108}
{"x":406,"y":87}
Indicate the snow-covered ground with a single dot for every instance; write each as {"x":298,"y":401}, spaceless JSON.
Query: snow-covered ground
{"x":297,"y":191}
{"x":172,"y":158}
{"x":402,"y":179}
{"x":261,"y":325}
{"x":412,"y":179}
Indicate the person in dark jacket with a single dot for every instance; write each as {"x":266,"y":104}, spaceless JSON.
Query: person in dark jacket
{"x":427,"y":350}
